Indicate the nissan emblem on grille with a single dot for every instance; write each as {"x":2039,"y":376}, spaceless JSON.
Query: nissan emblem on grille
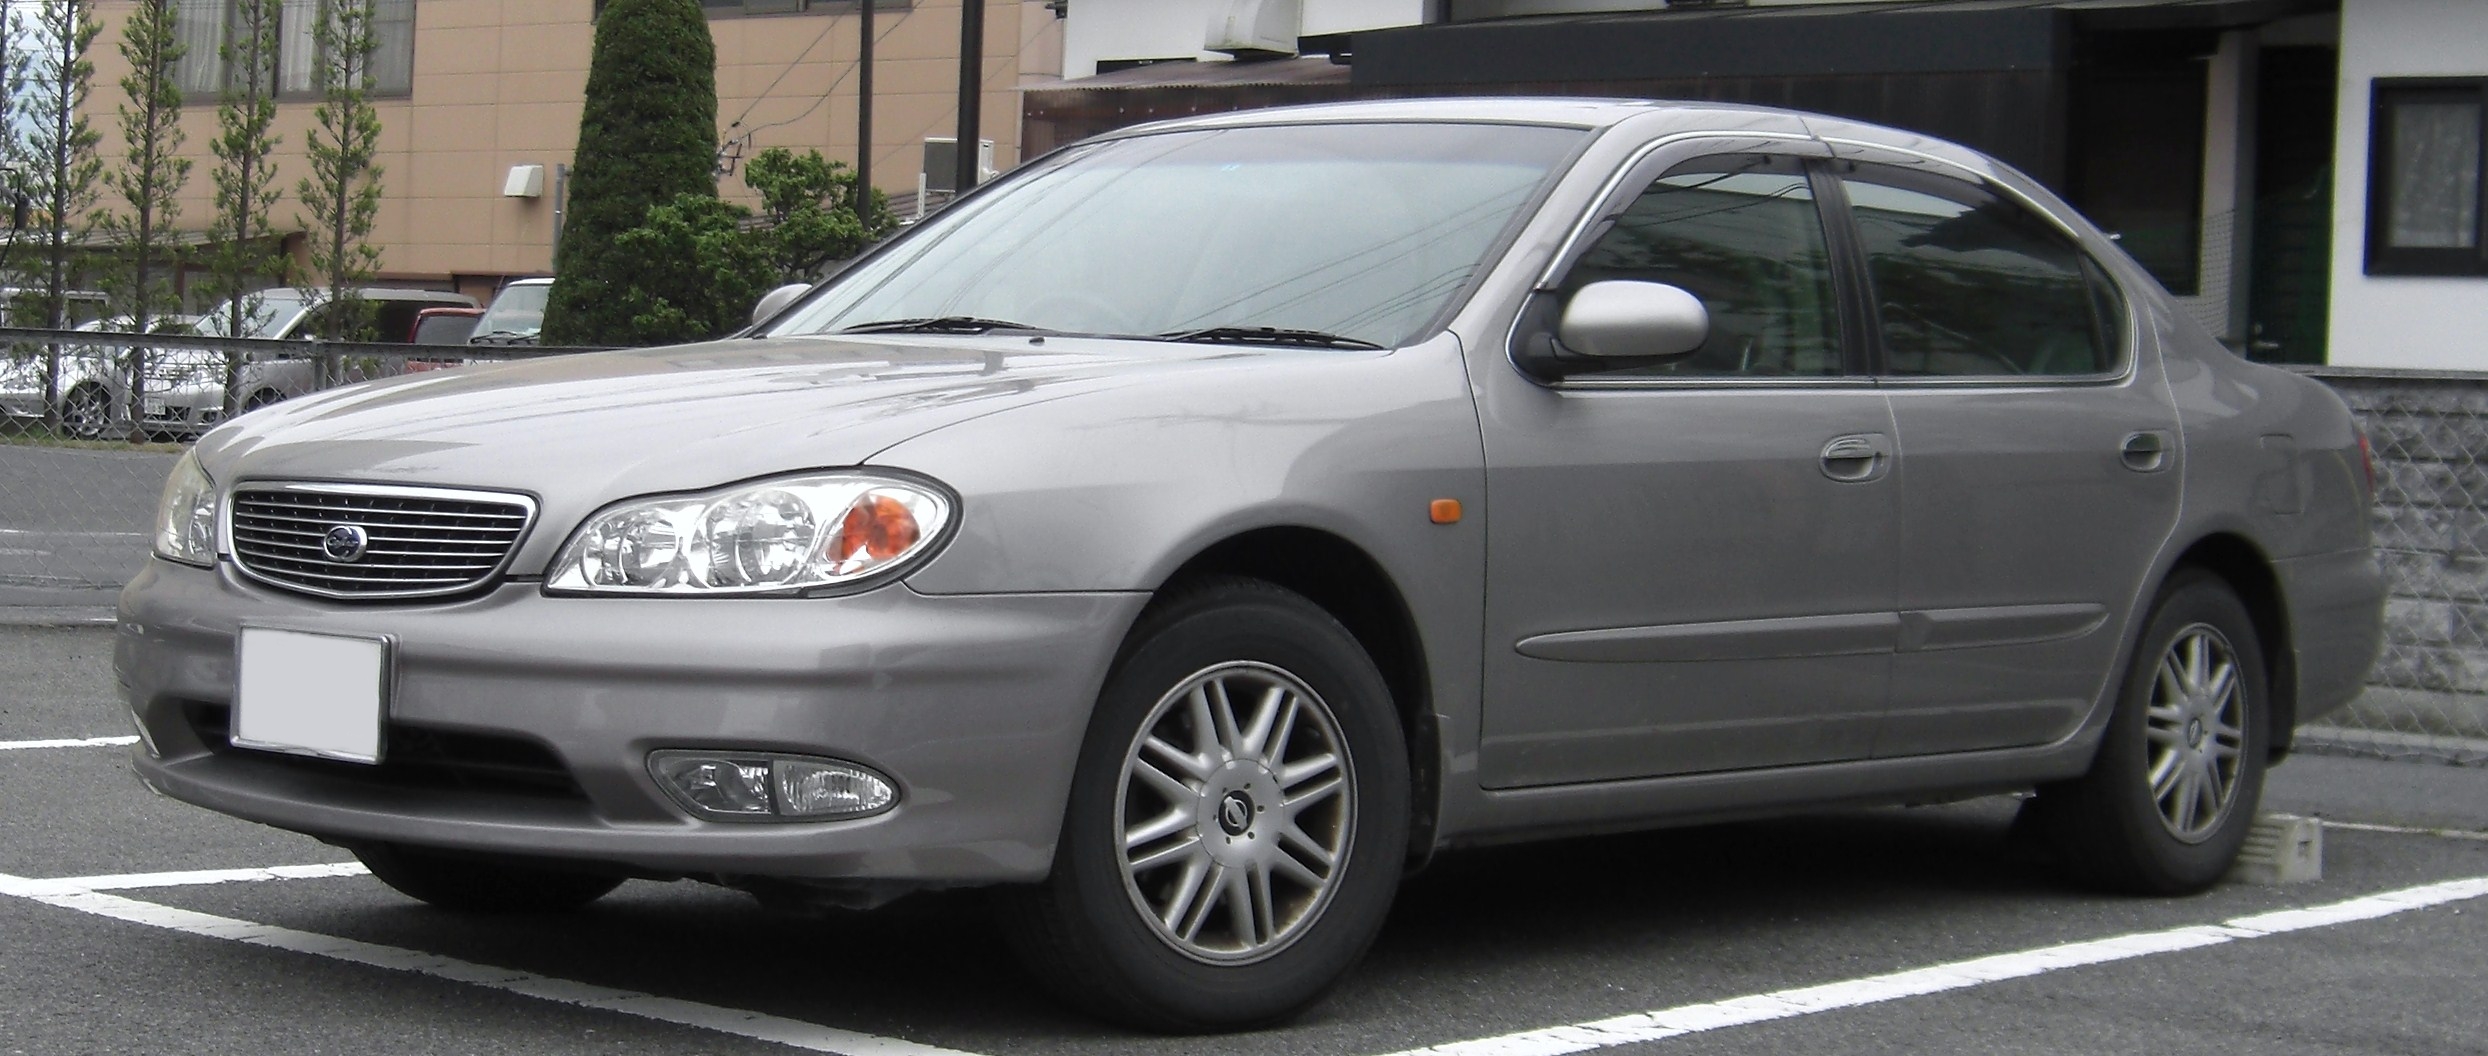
{"x":344,"y":543}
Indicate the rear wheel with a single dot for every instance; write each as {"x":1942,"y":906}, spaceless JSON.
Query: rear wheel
{"x":2174,"y":789}
{"x":1237,"y":823}
{"x":482,"y":885}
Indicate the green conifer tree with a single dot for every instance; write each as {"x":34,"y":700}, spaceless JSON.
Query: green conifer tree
{"x":648,"y":134}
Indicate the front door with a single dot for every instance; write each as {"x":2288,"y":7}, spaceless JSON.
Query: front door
{"x":1690,"y":565}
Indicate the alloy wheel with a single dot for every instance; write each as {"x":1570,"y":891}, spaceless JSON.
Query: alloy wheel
{"x":2195,"y":732}
{"x":1237,"y":805}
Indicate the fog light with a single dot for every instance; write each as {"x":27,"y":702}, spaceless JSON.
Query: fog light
{"x":760,"y":787}
{"x":718,"y":786}
{"x":814,"y":788}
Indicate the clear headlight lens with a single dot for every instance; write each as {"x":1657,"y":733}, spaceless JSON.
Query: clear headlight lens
{"x":186,"y":518}
{"x":769,"y":537}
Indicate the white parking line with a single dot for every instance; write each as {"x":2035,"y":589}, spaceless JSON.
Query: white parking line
{"x":1784,"y":1004}
{"x":70,"y":742}
{"x":2407,"y":830}
{"x":132,"y":881}
{"x":68,"y":894}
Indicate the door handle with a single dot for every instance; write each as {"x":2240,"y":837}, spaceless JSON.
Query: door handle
{"x":1856,"y":458}
{"x":2145,"y":452}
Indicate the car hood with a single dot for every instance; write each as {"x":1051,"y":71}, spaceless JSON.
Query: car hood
{"x":579,"y":431}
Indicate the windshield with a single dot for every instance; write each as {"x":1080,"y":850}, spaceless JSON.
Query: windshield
{"x":1362,"y":231}
{"x":270,"y":312}
{"x":517,"y":312}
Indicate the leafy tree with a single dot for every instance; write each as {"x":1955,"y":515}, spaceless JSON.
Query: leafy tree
{"x":62,"y":172}
{"x":647,"y":135}
{"x":343,"y":191}
{"x":701,"y":271}
{"x":809,"y":205}
{"x":148,"y":181}
{"x":245,"y":150}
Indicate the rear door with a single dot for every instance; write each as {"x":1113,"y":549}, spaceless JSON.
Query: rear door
{"x":1690,"y":566}
{"x":2039,"y":457}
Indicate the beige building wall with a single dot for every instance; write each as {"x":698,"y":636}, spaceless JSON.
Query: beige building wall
{"x":500,"y":83}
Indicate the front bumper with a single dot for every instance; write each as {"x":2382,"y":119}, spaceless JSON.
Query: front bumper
{"x":975,"y":705}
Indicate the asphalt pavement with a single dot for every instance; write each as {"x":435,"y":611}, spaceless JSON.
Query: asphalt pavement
{"x":74,"y":526}
{"x":1922,"y":930}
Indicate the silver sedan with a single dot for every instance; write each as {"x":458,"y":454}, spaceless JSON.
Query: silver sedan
{"x":1195,"y":530}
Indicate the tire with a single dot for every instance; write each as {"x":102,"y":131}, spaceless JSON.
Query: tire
{"x":86,"y":413}
{"x":1152,"y":937}
{"x":482,"y":885}
{"x":2119,"y":828}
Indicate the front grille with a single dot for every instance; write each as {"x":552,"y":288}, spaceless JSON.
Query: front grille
{"x":392,"y":542}
{"x":415,"y":758}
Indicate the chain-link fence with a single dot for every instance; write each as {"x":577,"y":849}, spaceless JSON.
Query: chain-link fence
{"x":79,"y":478}
{"x":2428,"y":694}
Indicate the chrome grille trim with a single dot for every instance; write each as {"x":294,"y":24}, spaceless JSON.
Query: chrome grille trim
{"x":423,"y":542}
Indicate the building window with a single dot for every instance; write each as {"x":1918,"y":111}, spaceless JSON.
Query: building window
{"x":2425,"y":177}
{"x":205,"y":26}
{"x":732,"y":8}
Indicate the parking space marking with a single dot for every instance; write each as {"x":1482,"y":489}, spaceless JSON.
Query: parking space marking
{"x":194,"y":877}
{"x":789,"y":1032}
{"x":70,"y":742}
{"x":1958,"y":975}
{"x":2406,"y":830}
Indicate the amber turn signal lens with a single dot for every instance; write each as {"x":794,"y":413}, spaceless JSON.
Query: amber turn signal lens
{"x":1444,"y":511}
{"x":878,"y":527}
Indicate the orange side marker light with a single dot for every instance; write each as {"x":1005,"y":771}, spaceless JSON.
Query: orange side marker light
{"x":1444,"y":511}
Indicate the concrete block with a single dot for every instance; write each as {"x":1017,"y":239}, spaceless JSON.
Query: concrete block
{"x":2281,"y":849}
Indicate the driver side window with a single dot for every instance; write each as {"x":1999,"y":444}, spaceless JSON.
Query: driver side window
{"x":1741,"y":233}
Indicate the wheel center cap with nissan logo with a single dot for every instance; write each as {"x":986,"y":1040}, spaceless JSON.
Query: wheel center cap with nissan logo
{"x":345,"y":543}
{"x":1235,"y":813}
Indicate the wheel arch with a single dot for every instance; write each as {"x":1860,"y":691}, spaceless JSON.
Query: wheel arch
{"x":1347,"y":582}
{"x":2248,"y":571}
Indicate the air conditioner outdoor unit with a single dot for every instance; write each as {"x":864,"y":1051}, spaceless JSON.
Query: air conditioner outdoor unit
{"x":1254,"y":28}
{"x":940,"y":174}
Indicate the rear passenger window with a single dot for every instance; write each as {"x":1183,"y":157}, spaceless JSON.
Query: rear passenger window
{"x":1741,"y":233}
{"x":1968,"y":283}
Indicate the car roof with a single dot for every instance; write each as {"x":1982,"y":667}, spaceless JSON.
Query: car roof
{"x":1595,"y":114}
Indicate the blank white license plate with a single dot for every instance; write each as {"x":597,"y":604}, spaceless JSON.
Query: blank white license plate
{"x":311,"y":694}
{"x":158,"y":409}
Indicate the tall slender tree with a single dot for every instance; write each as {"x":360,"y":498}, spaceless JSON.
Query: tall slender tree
{"x":148,"y":182}
{"x":62,"y":173}
{"x":13,"y":60}
{"x":342,"y":194}
{"x":245,"y":150}
{"x":648,"y":133}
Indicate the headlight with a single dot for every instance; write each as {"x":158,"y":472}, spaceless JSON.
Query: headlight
{"x":779,"y":536}
{"x":186,"y":519}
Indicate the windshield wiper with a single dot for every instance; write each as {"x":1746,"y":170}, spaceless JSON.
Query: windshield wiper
{"x":1268,"y":335}
{"x":940,"y":324}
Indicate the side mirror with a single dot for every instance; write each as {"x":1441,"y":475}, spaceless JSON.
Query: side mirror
{"x":1639,"y":321}
{"x":776,"y":300}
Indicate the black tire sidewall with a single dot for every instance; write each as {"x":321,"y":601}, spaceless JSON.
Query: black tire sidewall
{"x":2116,"y":824}
{"x":1160,"y":986}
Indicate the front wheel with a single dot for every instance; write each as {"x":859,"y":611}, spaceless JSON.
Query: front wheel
{"x":1237,"y":824}
{"x":86,"y":413}
{"x":2174,"y":788}
{"x":482,"y":885}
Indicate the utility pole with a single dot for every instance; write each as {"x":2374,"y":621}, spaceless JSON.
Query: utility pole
{"x":971,"y":90}
{"x":864,"y":118}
